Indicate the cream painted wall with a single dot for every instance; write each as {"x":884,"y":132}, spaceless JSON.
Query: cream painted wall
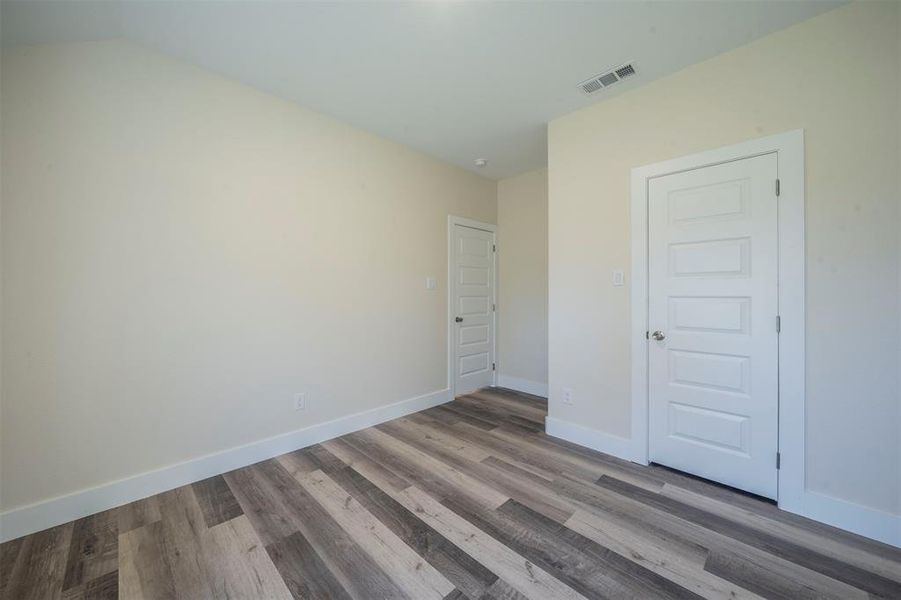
{"x":522,"y":277}
{"x":181,"y":254}
{"x":837,"y":77}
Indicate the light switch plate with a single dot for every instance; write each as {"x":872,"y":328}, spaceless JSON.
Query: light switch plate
{"x":431,"y":283}
{"x":619,"y":278}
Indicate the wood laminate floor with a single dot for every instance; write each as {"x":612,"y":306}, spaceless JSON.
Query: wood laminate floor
{"x":467,"y":500}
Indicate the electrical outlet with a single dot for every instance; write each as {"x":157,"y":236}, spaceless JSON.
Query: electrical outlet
{"x":300,"y":402}
{"x":567,"y":395}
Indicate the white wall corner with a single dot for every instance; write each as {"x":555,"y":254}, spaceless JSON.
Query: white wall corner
{"x":28,"y":519}
{"x":536,"y":388}
{"x":607,"y":443}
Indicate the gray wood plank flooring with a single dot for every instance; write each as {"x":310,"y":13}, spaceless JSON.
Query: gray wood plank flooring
{"x":469,"y":500}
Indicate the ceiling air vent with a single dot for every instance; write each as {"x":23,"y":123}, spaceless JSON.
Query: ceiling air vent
{"x":599,"y":82}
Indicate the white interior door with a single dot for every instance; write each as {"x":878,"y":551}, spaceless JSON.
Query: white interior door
{"x":473,"y":268}
{"x":713,"y":304}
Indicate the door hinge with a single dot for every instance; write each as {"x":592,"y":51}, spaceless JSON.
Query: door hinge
{"x":778,"y":461}
{"x":493,"y":367}
{"x":778,"y":324}
{"x":647,"y":335}
{"x":493,"y":307}
{"x":494,"y":247}
{"x":777,"y":188}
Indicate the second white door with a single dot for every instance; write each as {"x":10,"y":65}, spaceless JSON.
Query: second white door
{"x":473,"y":308}
{"x":712,"y":308}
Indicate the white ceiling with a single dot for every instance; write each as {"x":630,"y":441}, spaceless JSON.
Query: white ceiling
{"x":456,"y":80}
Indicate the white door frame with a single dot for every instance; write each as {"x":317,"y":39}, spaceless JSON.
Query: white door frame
{"x":789,"y":150}
{"x":453,"y":221}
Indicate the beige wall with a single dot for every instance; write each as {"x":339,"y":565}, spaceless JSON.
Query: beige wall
{"x":181,"y":254}
{"x":835,"y":76}
{"x":522,"y":278}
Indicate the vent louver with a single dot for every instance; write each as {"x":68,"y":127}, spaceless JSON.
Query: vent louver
{"x":591,"y":86}
{"x":626,"y":71}
{"x":599,"y":82}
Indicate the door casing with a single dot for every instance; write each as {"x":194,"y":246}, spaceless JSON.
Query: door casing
{"x":453,"y":221}
{"x":789,"y":150}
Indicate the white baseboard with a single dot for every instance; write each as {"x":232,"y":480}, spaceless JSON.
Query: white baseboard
{"x":856,"y":518}
{"x":874,"y":524}
{"x":591,"y":438}
{"x":62,"y":509}
{"x":535,"y":388}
